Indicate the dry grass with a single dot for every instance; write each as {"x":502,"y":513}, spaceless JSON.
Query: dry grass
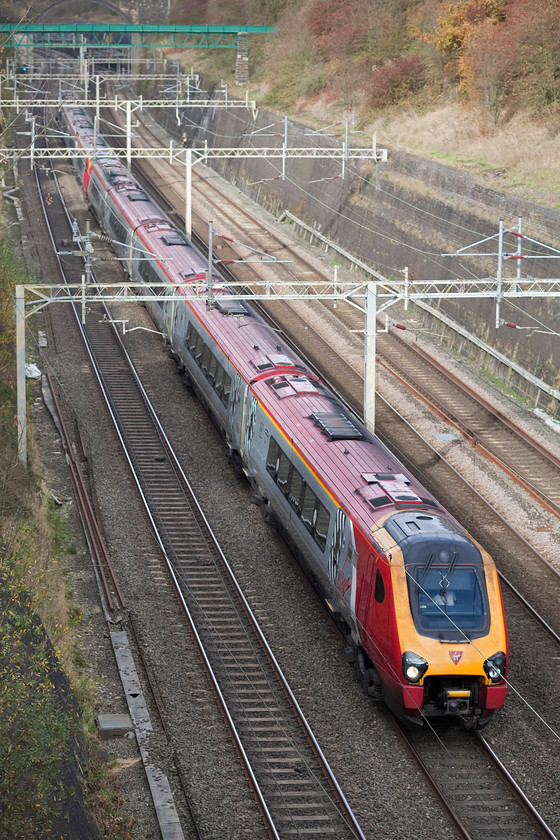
{"x":521,"y":154}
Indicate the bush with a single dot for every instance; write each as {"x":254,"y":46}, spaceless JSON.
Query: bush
{"x":356,"y":28}
{"x":395,"y":80}
{"x":516,"y":61}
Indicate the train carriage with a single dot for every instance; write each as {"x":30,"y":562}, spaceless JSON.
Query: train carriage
{"x":418,"y":599}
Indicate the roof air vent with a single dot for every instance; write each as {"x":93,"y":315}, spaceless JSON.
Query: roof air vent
{"x":174,"y":238}
{"x":336,"y":425}
{"x":232,"y":307}
{"x":138,"y":195}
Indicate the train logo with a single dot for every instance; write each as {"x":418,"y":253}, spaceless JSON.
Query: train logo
{"x":456,"y":656}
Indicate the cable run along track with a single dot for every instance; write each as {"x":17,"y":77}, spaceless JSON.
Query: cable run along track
{"x":295,"y":789}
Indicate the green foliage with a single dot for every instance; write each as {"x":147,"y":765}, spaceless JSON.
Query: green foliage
{"x":506,"y":389}
{"x":35,"y":723}
{"x":298,"y":68}
{"x":60,"y":533}
{"x":11,"y":273}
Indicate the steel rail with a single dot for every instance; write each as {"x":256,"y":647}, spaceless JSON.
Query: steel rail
{"x":468,"y":789}
{"x":336,"y":384}
{"x":455,"y":816}
{"x":90,"y":521}
{"x":526,"y":604}
{"x":511,"y":781}
{"x":171,"y":568}
{"x":262,"y":807}
{"x":309,"y":733}
{"x":543,"y":558}
{"x":407,"y":379}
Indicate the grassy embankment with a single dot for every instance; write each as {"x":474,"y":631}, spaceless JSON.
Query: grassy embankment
{"x":43,"y":709}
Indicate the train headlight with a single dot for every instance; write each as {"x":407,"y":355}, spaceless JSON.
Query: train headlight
{"x":413,"y":666}
{"x":495,"y":666}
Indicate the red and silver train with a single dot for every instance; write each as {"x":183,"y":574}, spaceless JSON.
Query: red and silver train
{"x":417,"y":597}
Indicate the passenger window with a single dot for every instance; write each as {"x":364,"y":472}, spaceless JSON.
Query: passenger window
{"x":321,"y":527}
{"x":212,"y":368}
{"x":379,"y":591}
{"x":294,"y":492}
{"x":191,"y":337}
{"x":198,"y":348}
{"x":283,"y":473}
{"x":226,"y":389}
{"x":272,"y":457}
{"x":205,"y":358}
{"x":308,"y":507}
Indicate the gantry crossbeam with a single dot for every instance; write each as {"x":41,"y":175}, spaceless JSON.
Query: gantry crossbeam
{"x":270,"y":153}
{"x":40,"y":294}
{"x":139,"y":104}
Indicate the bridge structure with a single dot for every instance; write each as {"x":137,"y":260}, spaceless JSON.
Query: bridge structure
{"x":118,"y":39}
{"x":111,"y":35}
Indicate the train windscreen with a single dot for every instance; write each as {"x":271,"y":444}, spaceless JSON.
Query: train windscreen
{"x":448,"y":603}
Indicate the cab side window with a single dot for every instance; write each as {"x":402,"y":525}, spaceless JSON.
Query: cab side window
{"x":379,"y":591}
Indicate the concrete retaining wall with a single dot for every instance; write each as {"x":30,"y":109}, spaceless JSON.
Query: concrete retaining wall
{"x":405,"y":212}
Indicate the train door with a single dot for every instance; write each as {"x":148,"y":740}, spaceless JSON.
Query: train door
{"x":177,"y":329}
{"x":365,"y":591}
{"x":380,"y":604}
{"x":373,"y":607}
{"x":236,"y":405}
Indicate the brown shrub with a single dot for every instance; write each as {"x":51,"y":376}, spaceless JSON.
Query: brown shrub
{"x":396,"y":79}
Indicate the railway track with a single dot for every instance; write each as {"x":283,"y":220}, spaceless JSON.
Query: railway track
{"x":479,"y":796}
{"x":295,"y":790}
{"x":479,"y":793}
{"x":526,"y":569}
{"x":529,"y":464}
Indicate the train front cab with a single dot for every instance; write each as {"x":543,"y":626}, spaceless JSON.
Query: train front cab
{"x":448,"y":623}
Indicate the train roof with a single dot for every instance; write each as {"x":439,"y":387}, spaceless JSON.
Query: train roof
{"x":356,"y":468}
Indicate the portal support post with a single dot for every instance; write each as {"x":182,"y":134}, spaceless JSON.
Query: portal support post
{"x":369,"y":373}
{"x":20,"y":375}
